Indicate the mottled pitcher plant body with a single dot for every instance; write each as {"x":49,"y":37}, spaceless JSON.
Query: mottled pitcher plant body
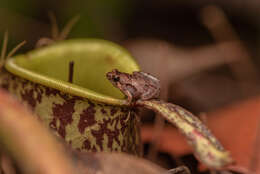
{"x":89,"y":114}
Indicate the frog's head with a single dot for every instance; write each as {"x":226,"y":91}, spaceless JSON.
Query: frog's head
{"x":114,"y":77}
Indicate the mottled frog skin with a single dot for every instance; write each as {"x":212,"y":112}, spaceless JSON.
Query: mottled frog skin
{"x":86,"y":125}
{"x":136,"y":86}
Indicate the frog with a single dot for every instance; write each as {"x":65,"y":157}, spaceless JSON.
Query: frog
{"x":136,"y":86}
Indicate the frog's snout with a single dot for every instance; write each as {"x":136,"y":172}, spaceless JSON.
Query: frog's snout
{"x":109,"y":76}
{"x":113,"y":75}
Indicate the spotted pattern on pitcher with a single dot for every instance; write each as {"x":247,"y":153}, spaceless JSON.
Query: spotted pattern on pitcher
{"x":84,"y":124}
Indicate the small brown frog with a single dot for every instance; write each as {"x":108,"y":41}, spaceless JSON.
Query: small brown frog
{"x":136,"y":86}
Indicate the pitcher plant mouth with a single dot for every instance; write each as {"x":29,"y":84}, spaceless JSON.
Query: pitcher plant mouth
{"x":93,"y":58}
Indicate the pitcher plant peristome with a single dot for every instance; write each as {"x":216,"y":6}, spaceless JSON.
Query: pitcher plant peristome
{"x":89,"y":113}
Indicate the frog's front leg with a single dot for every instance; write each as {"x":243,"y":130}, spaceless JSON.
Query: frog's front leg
{"x":129,"y":97}
{"x":131,"y":93}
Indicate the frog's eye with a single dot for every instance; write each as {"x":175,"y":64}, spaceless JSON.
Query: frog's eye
{"x":116,"y":78}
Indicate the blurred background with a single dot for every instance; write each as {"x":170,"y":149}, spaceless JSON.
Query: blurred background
{"x":206,"y":54}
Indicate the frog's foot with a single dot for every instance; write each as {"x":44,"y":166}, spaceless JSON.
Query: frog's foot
{"x":130,"y":102}
{"x":179,"y":170}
